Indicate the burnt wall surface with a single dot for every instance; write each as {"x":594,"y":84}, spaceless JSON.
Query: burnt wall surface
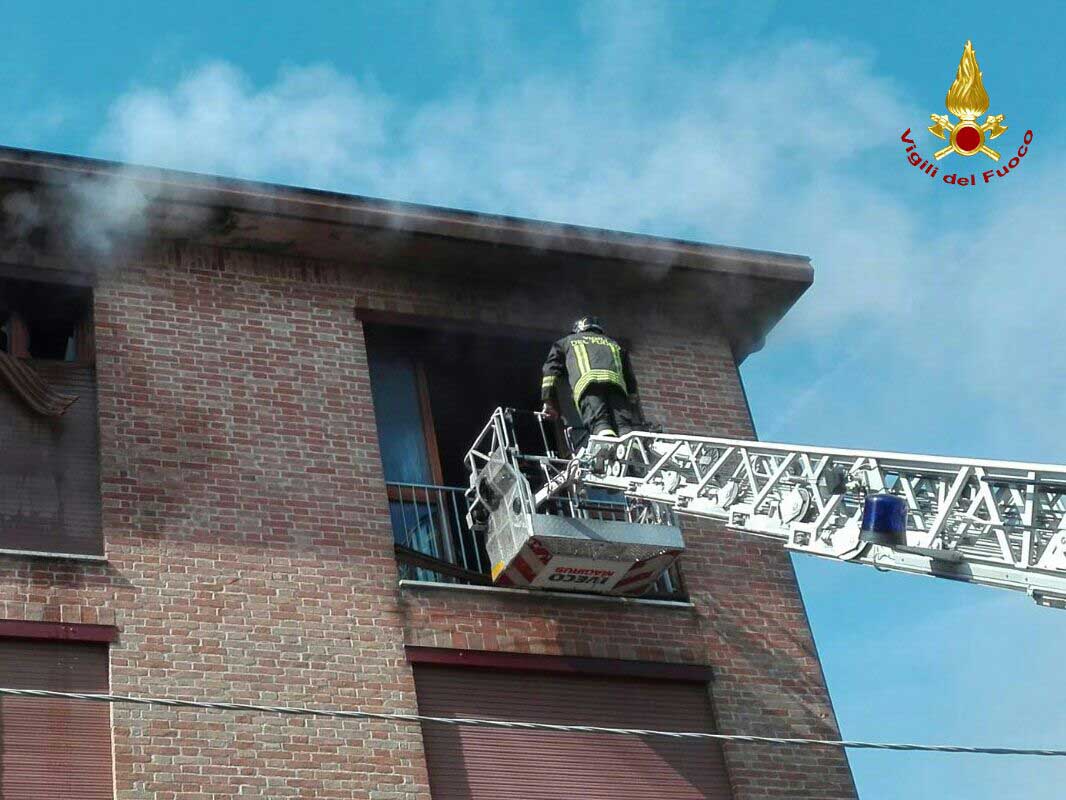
{"x":250,"y":554}
{"x":49,"y":467}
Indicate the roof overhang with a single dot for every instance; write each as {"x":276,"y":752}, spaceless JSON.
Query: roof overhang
{"x":747,"y":291}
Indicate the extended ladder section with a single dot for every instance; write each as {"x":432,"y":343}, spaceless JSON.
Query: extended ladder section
{"x":995,"y":523}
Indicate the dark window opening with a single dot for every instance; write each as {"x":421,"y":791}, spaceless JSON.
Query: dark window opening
{"x":434,"y":390}
{"x":49,"y":322}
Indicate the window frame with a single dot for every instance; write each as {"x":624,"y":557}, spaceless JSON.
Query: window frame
{"x":93,"y":722}
{"x":67,"y":546}
{"x":429,"y":431}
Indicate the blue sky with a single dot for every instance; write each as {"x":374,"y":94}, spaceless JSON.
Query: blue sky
{"x":934,"y":323}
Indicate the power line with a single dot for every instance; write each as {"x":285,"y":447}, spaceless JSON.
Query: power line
{"x":299,"y":711}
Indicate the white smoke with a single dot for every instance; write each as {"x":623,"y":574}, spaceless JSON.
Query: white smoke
{"x":91,"y":216}
{"x":934,"y":322}
{"x":107,"y":210}
{"x":786,"y":148}
{"x":314,"y":126}
{"x":546,"y":145}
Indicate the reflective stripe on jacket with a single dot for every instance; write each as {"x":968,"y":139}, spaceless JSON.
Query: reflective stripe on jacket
{"x":583,"y":359}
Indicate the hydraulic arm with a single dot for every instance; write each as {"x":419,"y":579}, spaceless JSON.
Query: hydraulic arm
{"x":995,"y":523}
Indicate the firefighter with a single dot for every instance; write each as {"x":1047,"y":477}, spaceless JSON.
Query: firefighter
{"x":597,"y":370}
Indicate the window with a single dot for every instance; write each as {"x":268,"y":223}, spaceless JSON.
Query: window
{"x":434,"y":389}
{"x":49,"y":322}
{"x":409,"y":455}
{"x":54,"y":749}
{"x":49,"y":472}
{"x":479,"y":763}
{"x":433,"y":392}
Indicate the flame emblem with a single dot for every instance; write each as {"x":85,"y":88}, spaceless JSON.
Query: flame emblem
{"x":967,"y":100}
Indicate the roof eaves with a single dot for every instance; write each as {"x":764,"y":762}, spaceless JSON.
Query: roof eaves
{"x":335,"y":207}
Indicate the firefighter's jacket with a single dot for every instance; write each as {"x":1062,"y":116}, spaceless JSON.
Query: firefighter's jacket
{"x":582,"y":359}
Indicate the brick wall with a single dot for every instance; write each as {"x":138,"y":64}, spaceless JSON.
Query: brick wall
{"x":747,"y":619}
{"x":250,"y":553}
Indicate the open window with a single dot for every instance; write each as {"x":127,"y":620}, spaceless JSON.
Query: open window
{"x":433,"y":391}
{"x":46,"y":322}
{"x":49,"y":467}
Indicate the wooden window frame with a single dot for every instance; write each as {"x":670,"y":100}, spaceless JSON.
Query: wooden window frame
{"x":429,"y":431}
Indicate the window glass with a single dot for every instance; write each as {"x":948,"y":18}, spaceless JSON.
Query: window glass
{"x":401,"y":435}
{"x":416,"y":525}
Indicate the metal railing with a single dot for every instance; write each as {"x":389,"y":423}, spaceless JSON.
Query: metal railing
{"x":434,"y":543}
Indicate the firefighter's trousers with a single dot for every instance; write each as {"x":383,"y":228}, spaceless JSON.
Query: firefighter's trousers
{"x":605,"y":408}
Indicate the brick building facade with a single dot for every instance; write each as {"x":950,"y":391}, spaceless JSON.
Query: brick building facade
{"x":247,"y":550}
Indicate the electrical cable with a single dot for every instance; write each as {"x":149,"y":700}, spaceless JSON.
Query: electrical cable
{"x":541,"y":726}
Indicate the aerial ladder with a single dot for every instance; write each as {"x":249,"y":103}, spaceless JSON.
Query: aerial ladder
{"x":605,"y":520}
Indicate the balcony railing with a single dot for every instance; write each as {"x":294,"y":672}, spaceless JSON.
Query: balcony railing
{"x":434,"y":543}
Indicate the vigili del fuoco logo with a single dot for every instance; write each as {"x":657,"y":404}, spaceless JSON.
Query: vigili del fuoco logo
{"x":967,"y":100}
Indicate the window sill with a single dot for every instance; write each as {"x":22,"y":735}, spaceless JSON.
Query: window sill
{"x":547,"y":596}
{"x":55,"y":556}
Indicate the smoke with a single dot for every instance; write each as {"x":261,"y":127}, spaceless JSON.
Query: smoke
{"x":309,"y":128}
{"x":933,"y":325}
{"x":105,"y":210}
{"x":792,"y":147}
{"x":23,"y":216}
{"x":90,"y":216}
{"x":639,"y":143}
{"x":312,"y":127}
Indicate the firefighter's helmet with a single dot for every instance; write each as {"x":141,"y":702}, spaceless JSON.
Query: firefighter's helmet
{"x":587,"y":324}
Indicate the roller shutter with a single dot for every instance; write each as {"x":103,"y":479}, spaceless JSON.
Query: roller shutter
{"x":54,"y":749}
{"x":483,"y":763}
{"x":50,"y":473}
